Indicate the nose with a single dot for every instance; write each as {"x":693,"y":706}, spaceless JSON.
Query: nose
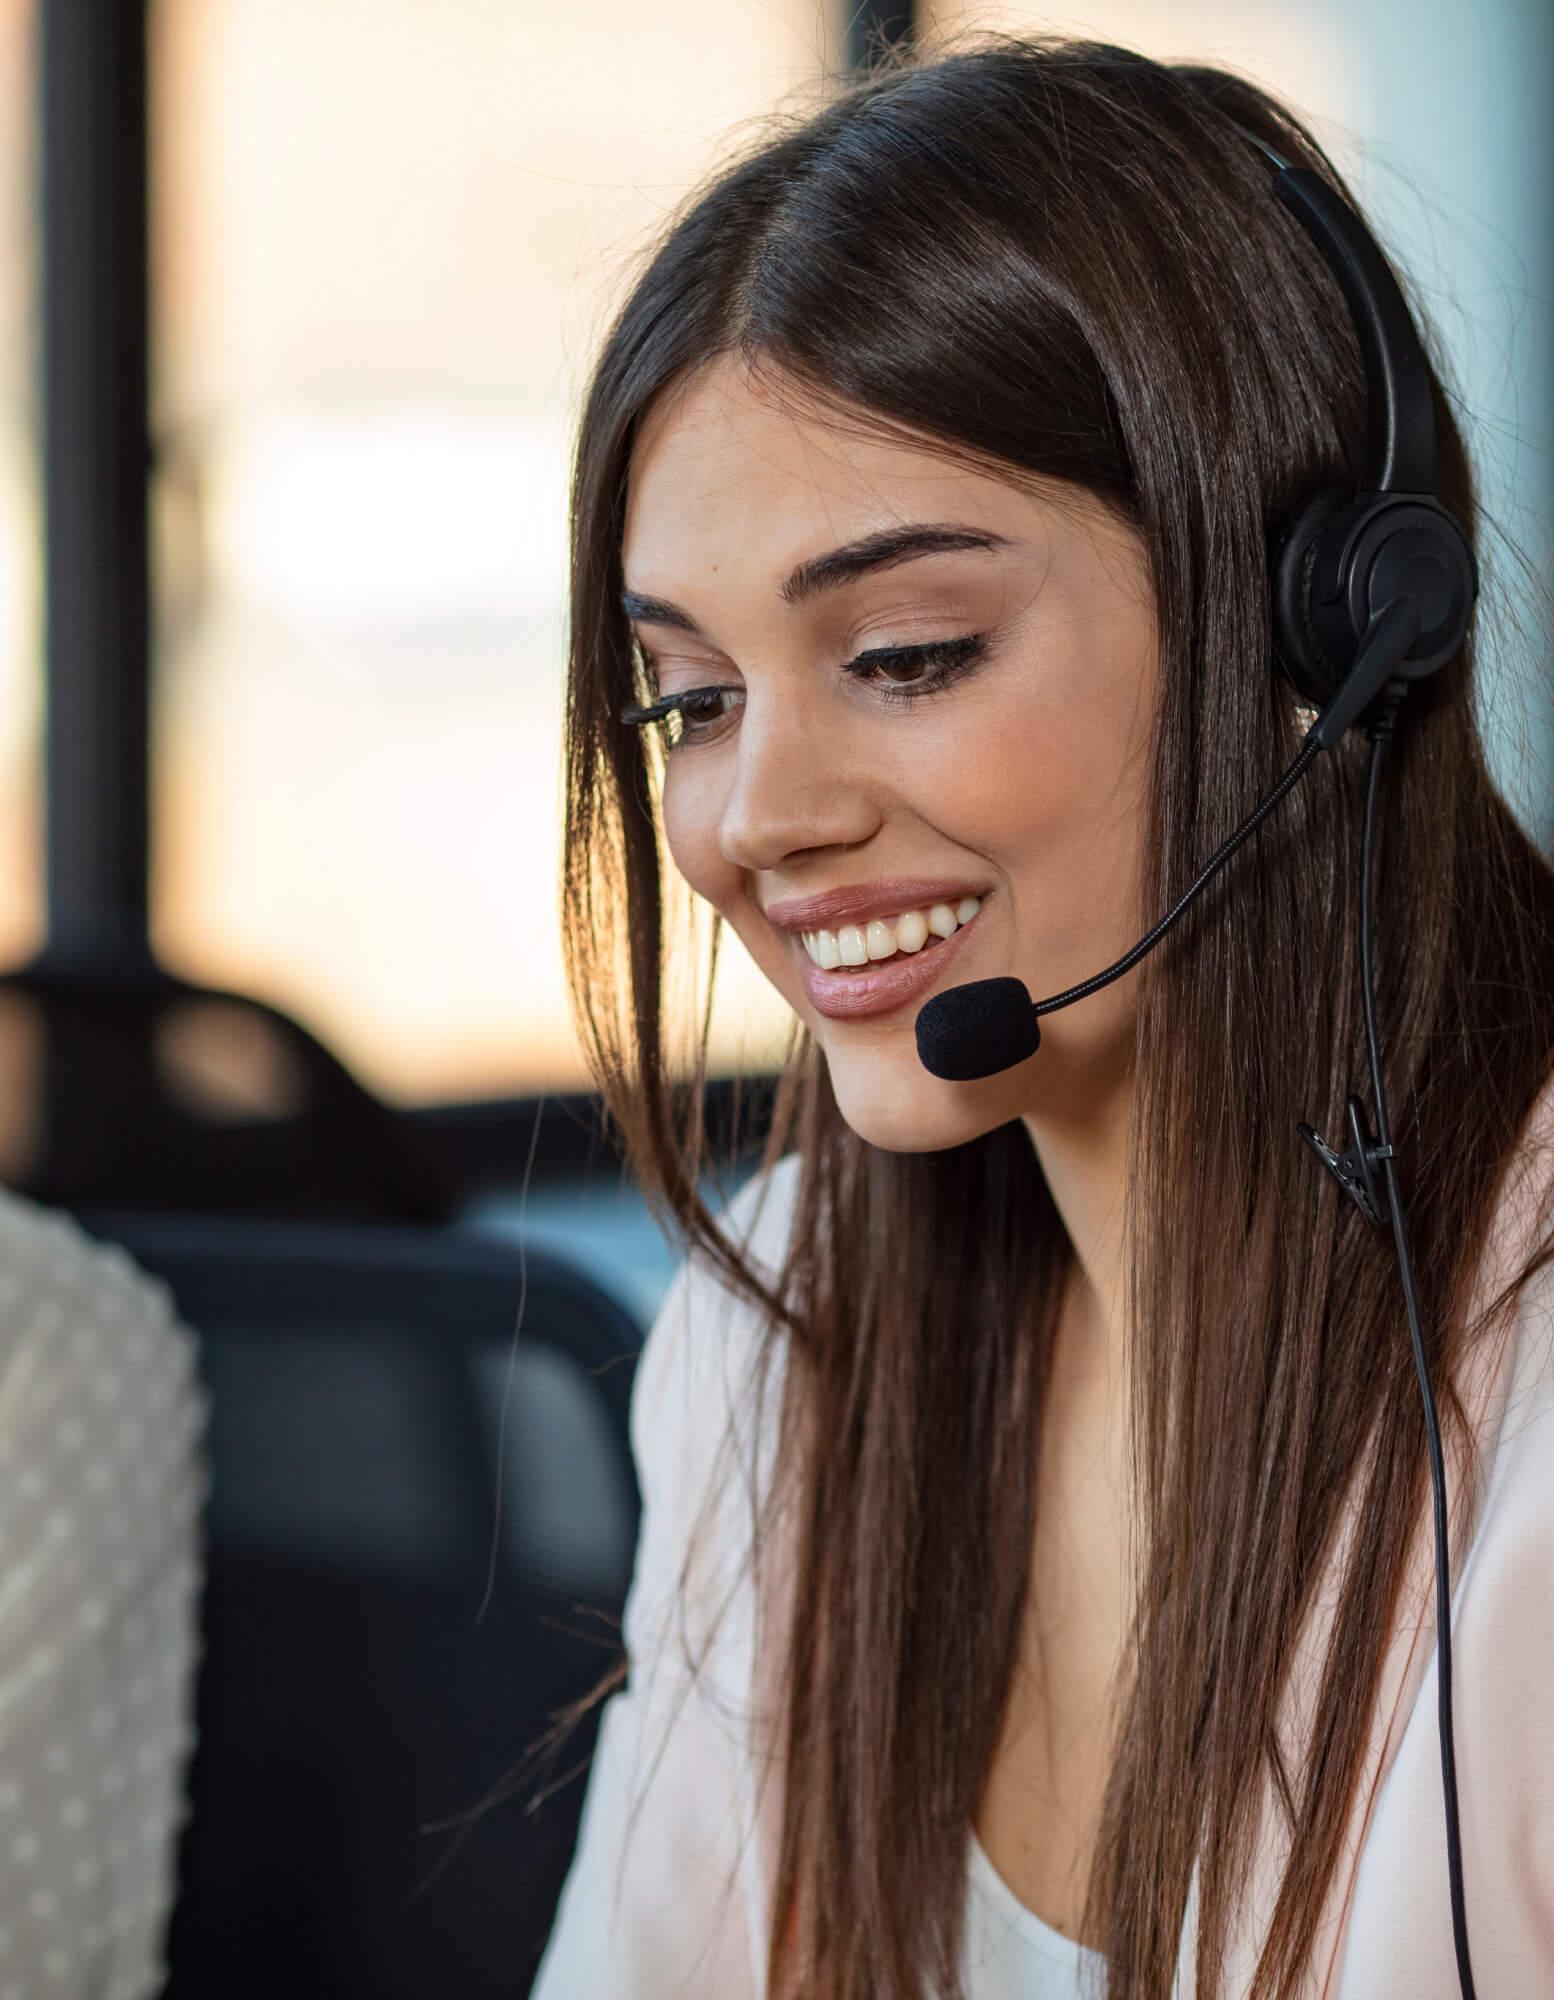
{"x":795,"y":784}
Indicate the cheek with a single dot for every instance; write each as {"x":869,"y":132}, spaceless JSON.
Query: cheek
{"x":1065,"y":817}
{"x":1008,"y":782}
{"x":1048,"y":788}
{"x":690,"y":814}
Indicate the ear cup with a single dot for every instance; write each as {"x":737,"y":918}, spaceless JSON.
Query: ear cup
{"x":1403,"y":546}
{"x":1343,"y":559}
{"x":1298,"y":647}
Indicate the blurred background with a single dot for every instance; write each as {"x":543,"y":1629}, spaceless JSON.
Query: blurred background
{"x":297,"y":298}
{"x":383,"y":237}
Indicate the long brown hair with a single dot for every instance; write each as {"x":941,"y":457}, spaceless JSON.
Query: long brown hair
{"x":1060,"y":257}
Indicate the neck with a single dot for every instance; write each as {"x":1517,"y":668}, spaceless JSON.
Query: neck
{"x":1083,"y":1154}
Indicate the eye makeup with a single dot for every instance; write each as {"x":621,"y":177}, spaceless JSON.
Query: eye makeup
{"x":692,"y":714}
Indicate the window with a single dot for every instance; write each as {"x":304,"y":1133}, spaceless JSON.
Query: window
{"x":386,"y":235}
{"x":21,"y":580}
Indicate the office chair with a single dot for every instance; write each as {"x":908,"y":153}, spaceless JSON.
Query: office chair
{"x":124,"y":1084}
{"x":349,"y":1693}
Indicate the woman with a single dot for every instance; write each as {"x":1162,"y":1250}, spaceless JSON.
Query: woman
{"x":1035,"y":1585}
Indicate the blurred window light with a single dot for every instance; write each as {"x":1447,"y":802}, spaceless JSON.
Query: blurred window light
{"x":21,"y":884}
{"x":402,"y":520}
{"x":371,"y":332}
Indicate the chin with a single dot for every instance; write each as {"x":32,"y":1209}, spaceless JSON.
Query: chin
{"x":892,"y":1102}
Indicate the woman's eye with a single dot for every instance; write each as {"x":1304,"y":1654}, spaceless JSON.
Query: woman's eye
{"x":902,"y":669}
{"x":698,"y":713}
{"x":911,"y":672}
{"x":704,"y":704}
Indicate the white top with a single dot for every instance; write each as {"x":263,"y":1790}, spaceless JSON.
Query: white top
{"x":1011,"y":1954}
{"x":668,"y":1894}
{"x":661,"y":1940}
{"x":101,"y":1485}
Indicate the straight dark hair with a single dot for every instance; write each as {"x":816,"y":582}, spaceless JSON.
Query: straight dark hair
{"x":1058,"y":260}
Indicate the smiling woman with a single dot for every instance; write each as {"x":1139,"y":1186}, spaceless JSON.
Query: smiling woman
{"x":921,"y":616}
{"x":845,"y":720}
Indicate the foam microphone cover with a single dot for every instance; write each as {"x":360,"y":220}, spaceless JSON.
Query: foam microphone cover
{"x":977,"y":1029}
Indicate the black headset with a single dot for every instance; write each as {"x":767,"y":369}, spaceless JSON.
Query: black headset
{"x":1373,"y":587}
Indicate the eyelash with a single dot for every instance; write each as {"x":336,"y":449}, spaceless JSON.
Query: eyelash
{"x":950,"y":659}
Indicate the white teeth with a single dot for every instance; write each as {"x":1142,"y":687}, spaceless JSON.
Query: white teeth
{"x":912,"y":931}
{"x":883,"y":937}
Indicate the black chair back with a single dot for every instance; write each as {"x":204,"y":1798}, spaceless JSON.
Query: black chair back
{"x":350,"y":1694}
{"x":125,"y":1084}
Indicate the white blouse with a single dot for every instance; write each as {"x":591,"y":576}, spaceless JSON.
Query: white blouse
{"x":102,"y":1482}
{"x":1011,"y":1954}
{"x":668,"y":1894}
{"x":644,"y":1915}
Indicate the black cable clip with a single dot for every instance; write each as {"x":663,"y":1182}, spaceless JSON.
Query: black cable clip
{"x":1354,"y":1170}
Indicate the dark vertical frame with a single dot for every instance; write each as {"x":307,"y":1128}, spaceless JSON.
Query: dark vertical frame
{"x":96,"y":464}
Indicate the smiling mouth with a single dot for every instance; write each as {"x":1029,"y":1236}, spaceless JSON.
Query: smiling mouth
{"x":887,"y":940}
{"x":887,"y":984}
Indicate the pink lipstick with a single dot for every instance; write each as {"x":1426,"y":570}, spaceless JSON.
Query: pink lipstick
{"x":880,"y":988}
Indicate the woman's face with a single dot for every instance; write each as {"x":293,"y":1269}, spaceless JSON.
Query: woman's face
{"x":1018,"y":781}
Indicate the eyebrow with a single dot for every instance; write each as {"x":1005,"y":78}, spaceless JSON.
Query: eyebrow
{"x":839,"y":566}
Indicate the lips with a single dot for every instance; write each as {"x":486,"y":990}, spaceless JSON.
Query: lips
{"x":835,"y":907}
{"x":880,"y":989}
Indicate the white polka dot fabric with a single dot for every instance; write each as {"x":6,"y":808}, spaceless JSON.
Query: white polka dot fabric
{"x":102,"y":1488}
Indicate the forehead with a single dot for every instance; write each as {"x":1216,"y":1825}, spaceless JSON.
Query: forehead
{"x":728,"y":471}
